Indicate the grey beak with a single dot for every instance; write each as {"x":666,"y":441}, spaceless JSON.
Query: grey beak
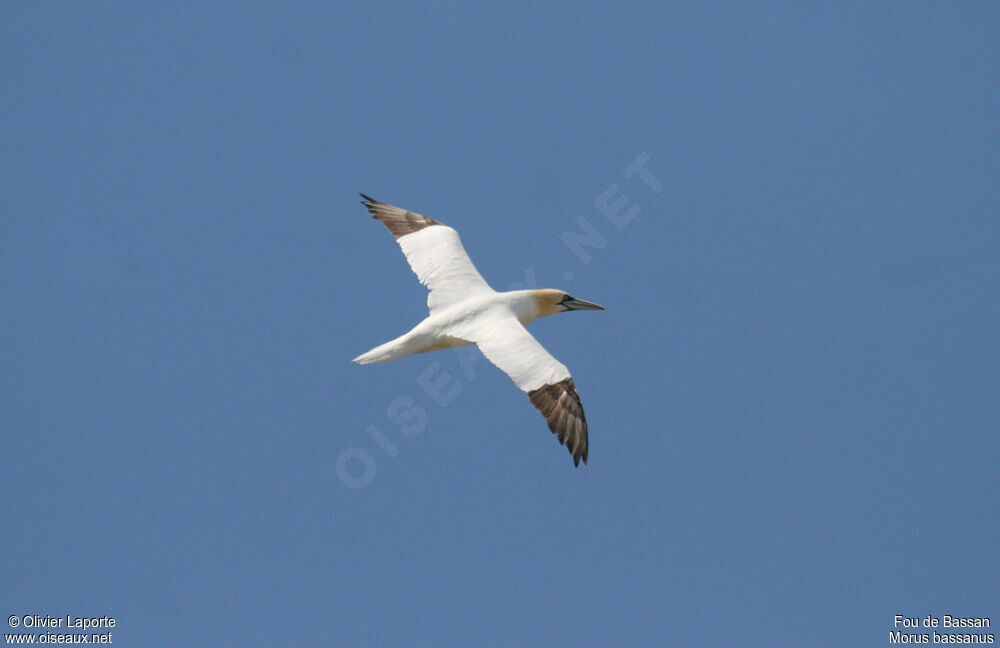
{"x":579,"y":304}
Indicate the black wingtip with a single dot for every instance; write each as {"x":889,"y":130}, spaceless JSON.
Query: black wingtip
{"x":367,"y":199}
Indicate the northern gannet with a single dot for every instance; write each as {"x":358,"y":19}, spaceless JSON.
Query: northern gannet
{"x":465,"y":310}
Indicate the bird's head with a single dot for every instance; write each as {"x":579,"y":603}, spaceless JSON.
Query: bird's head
{"x":551,"y":301}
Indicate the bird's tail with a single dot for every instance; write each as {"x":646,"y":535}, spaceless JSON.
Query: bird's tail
{"x":382,"y":353}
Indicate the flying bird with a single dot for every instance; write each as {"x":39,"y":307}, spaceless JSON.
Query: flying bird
{"x":465,"y":310}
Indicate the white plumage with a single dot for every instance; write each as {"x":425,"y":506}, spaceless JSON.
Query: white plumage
{"x":441,"y":263}
{"x":465,"y":310}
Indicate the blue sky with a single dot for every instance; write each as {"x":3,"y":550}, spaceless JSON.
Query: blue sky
{"x":792,"y":396}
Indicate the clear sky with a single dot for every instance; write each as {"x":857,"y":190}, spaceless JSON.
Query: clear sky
{"x":793,"y":394}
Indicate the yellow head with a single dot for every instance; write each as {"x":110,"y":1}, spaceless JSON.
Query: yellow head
{"x":549,"y":302}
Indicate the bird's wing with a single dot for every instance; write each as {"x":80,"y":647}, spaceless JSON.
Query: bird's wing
{"x":510,"y":346}
{"x":435,"y":253}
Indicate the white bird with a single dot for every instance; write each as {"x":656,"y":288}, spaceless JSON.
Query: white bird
{"x":465,"y":310}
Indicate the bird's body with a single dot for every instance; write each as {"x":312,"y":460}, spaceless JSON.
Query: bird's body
{"x":465,"y":310}
{"x":438,"y":330}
